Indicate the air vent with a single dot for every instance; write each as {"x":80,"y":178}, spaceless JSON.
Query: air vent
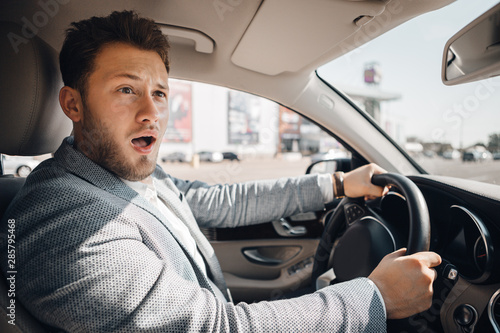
{"x":494,"y":311}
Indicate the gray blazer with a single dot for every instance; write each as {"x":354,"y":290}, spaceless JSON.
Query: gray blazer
{"x":94,"y":256}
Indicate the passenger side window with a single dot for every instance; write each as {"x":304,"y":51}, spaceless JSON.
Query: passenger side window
{"x":219,"y":135}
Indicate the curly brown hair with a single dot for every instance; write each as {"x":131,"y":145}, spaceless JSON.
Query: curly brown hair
{"x":84,"y":40}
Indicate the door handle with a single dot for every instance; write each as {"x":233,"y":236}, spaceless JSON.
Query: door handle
{"x":284,"y":229}
{"x":256,"y":257}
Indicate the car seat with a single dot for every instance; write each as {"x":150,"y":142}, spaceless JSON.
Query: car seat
{"x":31,"y":123}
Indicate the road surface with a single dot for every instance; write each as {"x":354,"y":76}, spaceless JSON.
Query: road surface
{"x":269,"y":168}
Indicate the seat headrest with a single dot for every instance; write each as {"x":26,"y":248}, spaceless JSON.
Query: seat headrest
{"x":31,"y":120}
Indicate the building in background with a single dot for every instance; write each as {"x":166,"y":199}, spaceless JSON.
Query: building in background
{"x":207,"y":118}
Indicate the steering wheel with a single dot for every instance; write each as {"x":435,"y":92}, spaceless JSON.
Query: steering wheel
{"x":356,"y":238}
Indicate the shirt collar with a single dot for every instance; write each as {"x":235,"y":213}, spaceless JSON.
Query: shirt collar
{"x":145,"y":188}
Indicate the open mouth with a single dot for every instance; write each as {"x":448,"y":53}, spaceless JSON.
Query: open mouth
{"x":143,"y":141}
{"x":143,"y":144}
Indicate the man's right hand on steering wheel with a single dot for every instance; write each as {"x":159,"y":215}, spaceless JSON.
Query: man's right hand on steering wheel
{"x":405,"y":282}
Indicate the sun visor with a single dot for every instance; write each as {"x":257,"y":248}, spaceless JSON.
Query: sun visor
{"x":289,"y":34}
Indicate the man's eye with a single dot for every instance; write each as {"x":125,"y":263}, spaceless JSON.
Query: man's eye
{"x":160,"y":94}
{"x":125,"y":90}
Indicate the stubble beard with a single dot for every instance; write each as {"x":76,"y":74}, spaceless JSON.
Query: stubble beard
{"x":98,"y":145}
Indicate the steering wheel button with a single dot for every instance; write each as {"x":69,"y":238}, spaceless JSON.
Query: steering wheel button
{"x":452,"y":274}
{"x":353,"y":212}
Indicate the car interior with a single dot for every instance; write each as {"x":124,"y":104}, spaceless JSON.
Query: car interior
{"x":272,"y":48}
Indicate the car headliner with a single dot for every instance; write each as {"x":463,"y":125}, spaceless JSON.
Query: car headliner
{"x":269,"y":48}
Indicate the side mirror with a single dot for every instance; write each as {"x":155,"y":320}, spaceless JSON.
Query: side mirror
{"x":474,"y":52}
{"x":330,"y":166}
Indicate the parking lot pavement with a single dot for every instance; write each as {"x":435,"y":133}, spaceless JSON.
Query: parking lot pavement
{"x":228,"y":172}
{"x":487,"y":171}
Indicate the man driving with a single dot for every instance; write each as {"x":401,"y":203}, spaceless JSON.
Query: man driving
{"x":107,"y":241}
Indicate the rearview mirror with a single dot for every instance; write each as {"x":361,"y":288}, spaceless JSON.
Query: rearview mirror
{"x":474,"y":52}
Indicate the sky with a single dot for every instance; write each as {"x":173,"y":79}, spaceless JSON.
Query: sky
{"x":410,"y":59}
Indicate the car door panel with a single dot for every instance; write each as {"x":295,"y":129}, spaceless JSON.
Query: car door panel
{"x":288,"y":267}
{"x":269,"y":260}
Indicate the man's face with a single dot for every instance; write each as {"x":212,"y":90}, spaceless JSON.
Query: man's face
{"x":125,"y":113}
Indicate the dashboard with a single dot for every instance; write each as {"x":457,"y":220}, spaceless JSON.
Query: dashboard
{"x":465,"y":231}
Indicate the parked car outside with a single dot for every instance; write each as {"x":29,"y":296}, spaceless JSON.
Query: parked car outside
{"x":176,"y":157}
{"x":431,"y":154}
{"x":230,"y":156}
{"x":471,"y":156}
{"x":208,"y":156}
{"x":477,"y":155}
{"x":19,"y":165}
{"x":486,"y":156}
{"x":451,"y":154}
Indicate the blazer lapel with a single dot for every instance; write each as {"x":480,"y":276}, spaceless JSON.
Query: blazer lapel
{"x":174,"y":203}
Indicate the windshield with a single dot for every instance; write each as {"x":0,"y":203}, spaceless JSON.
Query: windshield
{"x":396,"y":78}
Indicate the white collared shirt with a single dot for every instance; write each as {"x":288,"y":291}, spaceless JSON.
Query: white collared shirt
{"x":147,"y":189}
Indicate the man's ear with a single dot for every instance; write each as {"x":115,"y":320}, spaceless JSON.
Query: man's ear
{"x":71,"y":103}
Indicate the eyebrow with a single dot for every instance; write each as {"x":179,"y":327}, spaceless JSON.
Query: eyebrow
{"x":137,"y":78}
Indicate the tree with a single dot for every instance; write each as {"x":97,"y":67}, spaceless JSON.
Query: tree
{"x":494,"y":142}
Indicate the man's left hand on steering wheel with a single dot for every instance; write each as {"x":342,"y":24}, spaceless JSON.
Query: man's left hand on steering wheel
{"x":358,"y":182}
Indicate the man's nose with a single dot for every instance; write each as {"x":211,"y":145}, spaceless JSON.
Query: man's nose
{"x":148,"y":111}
